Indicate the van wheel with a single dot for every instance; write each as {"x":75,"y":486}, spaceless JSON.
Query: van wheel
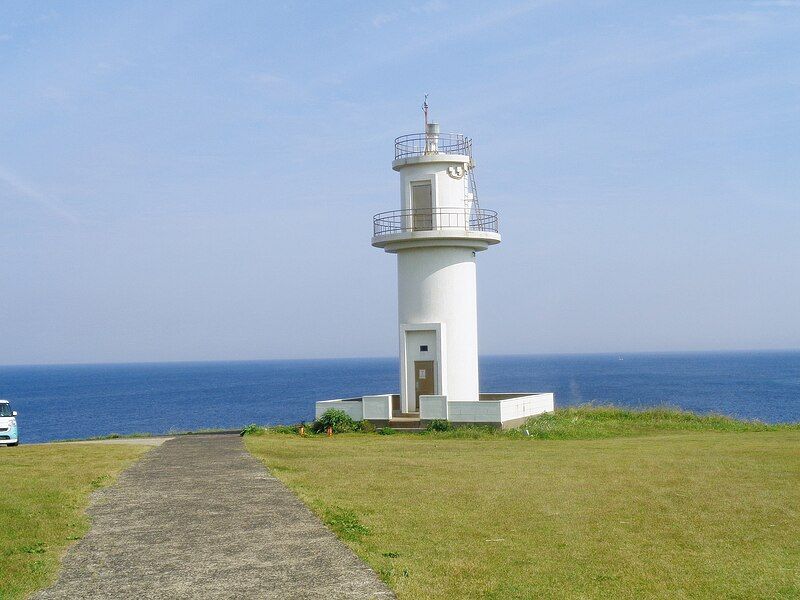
{"x":14,"y":444}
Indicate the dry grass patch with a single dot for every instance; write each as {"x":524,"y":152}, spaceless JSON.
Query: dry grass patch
{"x":44,"y":496}
{"x":686,"y":515}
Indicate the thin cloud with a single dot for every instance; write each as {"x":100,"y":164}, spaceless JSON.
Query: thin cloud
{"x":385,"y":18}
{"x":428,"y":8}
{"x":778,"y":3}
{"x":267,"y":79}
{"x":424,"y":43}
{"x":737,"y":17}
{"x":26,"y":191}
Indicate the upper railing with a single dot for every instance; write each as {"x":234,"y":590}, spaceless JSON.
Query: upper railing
{"x":434,"y":219}
{"x":421,"y":144}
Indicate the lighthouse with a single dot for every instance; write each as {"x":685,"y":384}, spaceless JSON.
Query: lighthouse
{"x":436,"y":234}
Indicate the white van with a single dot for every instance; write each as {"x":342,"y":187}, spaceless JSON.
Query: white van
{"x":8,"y":424}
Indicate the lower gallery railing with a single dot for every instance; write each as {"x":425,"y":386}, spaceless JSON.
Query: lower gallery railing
{"x":434,"y":219}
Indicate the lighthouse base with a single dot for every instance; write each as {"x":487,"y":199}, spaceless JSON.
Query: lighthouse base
{"x":504,"y":411}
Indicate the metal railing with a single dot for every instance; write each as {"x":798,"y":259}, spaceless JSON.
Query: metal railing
{"x":420,"y":144}
{"x":434,"y":219}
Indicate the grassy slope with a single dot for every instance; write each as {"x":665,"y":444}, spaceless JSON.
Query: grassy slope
{"x":45,"y":492}
{"x":593,"y":422}
{"x":689,"y":514}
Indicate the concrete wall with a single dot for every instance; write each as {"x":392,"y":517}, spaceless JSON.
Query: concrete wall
{"x":374,"y":408}
{"x":352,"y":406}
{"x":448,"y":192}
{"x":526,"y":406}
{"x":491,"y":409}
{"x":438,"y":285}
{"x":377,"y":408}
{"x":510,"y":409}
{"x":474,"y":412}
{"x":432,"y":408}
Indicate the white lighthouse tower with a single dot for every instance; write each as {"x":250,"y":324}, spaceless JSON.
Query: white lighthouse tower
{"x":436,"y":234}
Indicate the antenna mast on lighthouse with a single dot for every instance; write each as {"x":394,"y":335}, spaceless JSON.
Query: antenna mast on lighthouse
{"x":431,"y":131}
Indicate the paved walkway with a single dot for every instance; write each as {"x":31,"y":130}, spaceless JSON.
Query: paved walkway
{"x":143,"y":441}
{"x":199,"y":517}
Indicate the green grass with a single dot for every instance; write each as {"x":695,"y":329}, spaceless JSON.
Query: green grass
{"x":44,"y":495}
{"x":597,"y":422}
{"x":647,"y":505}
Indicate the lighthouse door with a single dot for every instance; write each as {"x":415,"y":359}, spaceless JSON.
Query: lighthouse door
{"x":422,"y":203}
{"x":423,"y":380}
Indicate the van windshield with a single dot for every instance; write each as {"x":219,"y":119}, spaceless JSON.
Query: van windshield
{"x":5,"y":410}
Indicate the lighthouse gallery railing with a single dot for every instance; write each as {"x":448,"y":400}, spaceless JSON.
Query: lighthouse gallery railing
{"x":420,"y":144}
{"x":434,"y":219}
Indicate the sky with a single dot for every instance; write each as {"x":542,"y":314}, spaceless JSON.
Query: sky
{"x":196,"y":180}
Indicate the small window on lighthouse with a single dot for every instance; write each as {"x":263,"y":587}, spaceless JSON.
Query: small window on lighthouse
{"x":423,"y":348}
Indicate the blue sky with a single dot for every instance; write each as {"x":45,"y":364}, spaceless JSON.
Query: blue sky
{"x":196,"y":180}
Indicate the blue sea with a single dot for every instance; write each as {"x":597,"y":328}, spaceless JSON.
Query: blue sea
{"x":76,"y":401}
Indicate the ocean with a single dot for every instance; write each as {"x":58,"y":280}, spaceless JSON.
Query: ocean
{"x":78,"y":401}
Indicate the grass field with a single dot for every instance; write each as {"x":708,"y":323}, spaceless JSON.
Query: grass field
{"x":658,"y":510}
{"x":45,"y":492}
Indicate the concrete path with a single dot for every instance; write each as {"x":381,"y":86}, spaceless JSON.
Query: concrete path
{"x":199,"y":517}
{"x":148,"y":441}
{"x":143,"y":441}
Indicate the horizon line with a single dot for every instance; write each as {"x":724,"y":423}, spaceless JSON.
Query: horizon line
{"x":387,"y":357}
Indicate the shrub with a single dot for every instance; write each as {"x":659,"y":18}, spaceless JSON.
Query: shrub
{"x":386,"y":431}
{"x":366,"y":427}
{"x":439,"y":425}
{"x":252,"y":429}
{"x":337,"y":419}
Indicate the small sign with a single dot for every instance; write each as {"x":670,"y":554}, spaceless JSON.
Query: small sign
{"x":422,"y":374}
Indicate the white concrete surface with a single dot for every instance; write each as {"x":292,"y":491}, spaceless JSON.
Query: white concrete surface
{"x":526,"y":406}
{"x":433,"y":407}
{"x":352,"y":406}
{"x":377,"y":408}
{"x":474,"y":412}
{"x":507,"y":407}
{"x":436,"y":280}
{"x":494,"y":408}
{"x":438,"y":286}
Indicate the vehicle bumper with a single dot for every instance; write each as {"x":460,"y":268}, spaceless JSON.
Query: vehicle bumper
{"x":9,"y":437}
